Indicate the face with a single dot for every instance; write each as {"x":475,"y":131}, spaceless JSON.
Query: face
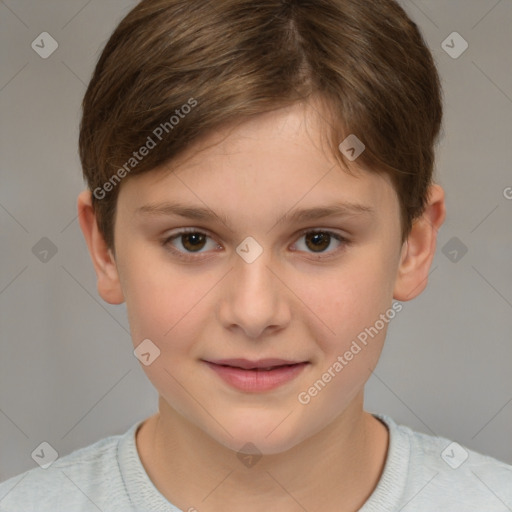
{"x":254,"y":281}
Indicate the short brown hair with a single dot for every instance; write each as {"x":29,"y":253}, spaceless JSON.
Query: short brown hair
{"x":229,"y":60}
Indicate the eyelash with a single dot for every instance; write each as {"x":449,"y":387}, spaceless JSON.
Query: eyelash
{"x":187,"y":256}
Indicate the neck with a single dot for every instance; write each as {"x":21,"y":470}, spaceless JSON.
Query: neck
{"x":336,"y":469}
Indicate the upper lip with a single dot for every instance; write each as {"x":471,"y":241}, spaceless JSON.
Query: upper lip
{"x":246,"y":364}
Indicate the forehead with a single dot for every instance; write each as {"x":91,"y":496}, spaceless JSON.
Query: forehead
{"x":273,"y":161}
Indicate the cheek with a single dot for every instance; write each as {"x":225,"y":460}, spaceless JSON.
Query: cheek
{"x":161,"y":302}
{"x":169,"y":311}
{"x":359,"y":314}
{"x":347,"y":301}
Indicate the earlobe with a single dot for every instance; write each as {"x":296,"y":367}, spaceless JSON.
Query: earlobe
{"x":108,"y":283}
{"x":419,"y":249}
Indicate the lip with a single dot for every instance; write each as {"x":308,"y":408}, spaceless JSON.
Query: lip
{"x":247,"y":364}
{"x":250,"y":376}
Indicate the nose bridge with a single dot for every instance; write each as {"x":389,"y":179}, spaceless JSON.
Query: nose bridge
{"x":255,"y":298}
{"x":255,"y":281}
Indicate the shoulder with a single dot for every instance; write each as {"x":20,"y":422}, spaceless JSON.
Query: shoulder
{"x":446,"y":475}
{"x":82,"y":480}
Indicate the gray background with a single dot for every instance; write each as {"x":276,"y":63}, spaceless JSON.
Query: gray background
{"x":67,"y":372}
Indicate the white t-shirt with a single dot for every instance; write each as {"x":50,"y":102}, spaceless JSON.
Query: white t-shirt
{"x":421,"y":473}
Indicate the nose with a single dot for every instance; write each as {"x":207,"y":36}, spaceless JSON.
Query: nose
{"x":253,"y":298}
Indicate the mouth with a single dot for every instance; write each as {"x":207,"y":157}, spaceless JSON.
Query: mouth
{"x":256,"y":376}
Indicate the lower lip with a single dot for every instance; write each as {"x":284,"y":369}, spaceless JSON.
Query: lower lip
{"x":256,"y":380}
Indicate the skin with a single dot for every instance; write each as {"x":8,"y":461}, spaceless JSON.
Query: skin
{"x":295,"y":301}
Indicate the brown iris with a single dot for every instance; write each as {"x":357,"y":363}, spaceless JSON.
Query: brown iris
{"x":319,"y":240}
{"x":193,"y":241}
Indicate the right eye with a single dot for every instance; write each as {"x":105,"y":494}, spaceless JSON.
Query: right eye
{"x":191,"y":239}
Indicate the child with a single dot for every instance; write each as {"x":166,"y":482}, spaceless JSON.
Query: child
{"x":259,"y":191}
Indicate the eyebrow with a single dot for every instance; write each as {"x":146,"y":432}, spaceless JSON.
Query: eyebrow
{"x":347,"y":209}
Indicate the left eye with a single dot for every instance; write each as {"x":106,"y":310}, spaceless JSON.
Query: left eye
{"x":193,"y":241}
{"x":321,"y":240}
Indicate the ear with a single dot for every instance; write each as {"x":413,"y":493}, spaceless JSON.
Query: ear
{"x":109,"y":286}
{"x":419,"y":249}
